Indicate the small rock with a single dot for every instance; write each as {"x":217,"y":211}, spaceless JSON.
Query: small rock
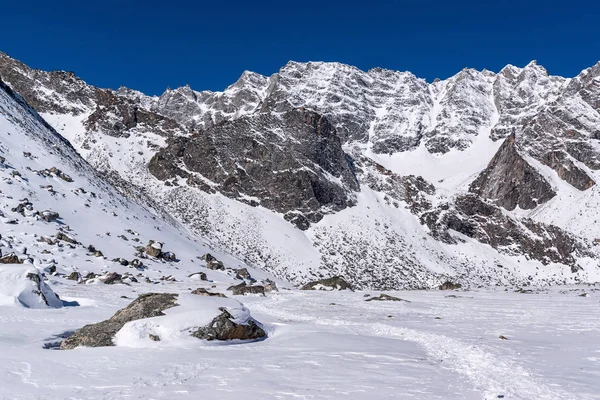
{"x":204,"y":292}
{"x":112,"y":278}
{"x":450,"y":286}
{"x":154,"y":249}
{"x":74,"y":276}
{"x":386,"y":297}
{"x":333,"y":283}
{"x":199,"y":275}
{"x":10,"y":259}
{"x":242,"y":273}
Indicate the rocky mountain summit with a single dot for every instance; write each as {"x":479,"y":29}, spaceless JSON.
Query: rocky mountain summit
{"x":376,"y":176}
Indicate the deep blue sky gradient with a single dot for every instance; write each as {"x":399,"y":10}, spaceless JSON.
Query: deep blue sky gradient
{"x":152,"y":45}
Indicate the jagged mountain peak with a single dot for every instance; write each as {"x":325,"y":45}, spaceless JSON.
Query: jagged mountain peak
{"x":347,"y":156}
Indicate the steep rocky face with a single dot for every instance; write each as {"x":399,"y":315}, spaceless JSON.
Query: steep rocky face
{"x":510,"y":181}
{"x":477,"y":219}
{"x":320,"y":147}
{"x":291,"y":163}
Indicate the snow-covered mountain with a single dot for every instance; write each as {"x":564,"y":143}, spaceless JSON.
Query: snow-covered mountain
{"x":379,"y":176}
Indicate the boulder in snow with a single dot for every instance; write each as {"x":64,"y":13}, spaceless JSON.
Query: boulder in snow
{"x":333,"y":283}
{"x":159,"y":319}
{"x":24,"y":285}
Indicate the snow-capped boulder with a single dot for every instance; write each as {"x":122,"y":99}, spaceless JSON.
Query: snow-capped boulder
{"x":25,"y":286}
{"x":155,"y":319}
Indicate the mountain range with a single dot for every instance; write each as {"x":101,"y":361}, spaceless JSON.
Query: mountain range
{"x":380,"y":177}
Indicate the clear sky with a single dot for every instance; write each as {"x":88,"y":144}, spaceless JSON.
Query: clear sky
{"x":152,"y":45}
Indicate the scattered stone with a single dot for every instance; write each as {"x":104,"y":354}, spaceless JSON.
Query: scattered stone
{"x":502,"y":337}
{"x":74,"y":276}
{"x":242,"y":273}
{"x":333,"y":283}
{"x":243,"y":289}
{"x":215,"y":265}
{"x":49,"y":216}
{"x":10,"y":259}
{"x":208,"y":258}
{"x":204,"y":292}
{"x":25,"y":205}
{"x":136,"y":263}
{"x":270,"y":286}
{"x":123,"y":237}
{"x":198,"y":275}
{"x":450,"y":286}
{"x":386,"y":297}
{"x":154,"y":249}
{"x":154,"y":338}
{"x":112,"y":278}
{"x":66,"y":238}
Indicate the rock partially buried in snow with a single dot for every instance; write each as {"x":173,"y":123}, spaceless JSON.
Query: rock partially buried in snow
{"x":228,"y":326}
{"x":333,"y":283}
{"x":154,"y":249}
{"x":386,"y":297}
{"x":10,"y":259}
{"x":450,"y":286}
{"x":24,"y":285}
{"x":102,"y":334}
{"x":204,"y":292}
{"x":172,"y":318}
{"x":243,"y":289}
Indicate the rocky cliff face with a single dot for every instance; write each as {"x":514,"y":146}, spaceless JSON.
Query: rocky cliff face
{"x":377,"y":176}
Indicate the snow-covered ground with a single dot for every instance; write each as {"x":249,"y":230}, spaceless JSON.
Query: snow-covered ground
{"x":323,"y":345}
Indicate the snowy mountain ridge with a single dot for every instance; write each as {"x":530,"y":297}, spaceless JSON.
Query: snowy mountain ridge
{"x":378,"y":176}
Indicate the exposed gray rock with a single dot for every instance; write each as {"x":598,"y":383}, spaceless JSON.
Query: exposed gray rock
{"x":450,"y":286}
{"x":333,"y":283}
{"x":386,"y":297}
{"x":204,"y":292}
{"x":243,"y":289}
{"x":242,"y":273}
{"x":154,"y":249}
{"x":11,"y":258}
{"x":223,"y":327}
{"x":301,"y":183}
{"x":510,"y":181}
{"x":66,"y":238}
{"x":74,"y":276}
{"x":101,"y":334}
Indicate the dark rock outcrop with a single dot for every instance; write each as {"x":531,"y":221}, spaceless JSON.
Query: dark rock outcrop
{"x":510,"y":181}
{"x":284,"y":174}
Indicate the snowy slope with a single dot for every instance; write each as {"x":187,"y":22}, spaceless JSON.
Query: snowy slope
{"x":90,"y":211}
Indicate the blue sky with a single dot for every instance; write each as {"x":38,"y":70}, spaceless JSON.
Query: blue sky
{"x":152,"y":45}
